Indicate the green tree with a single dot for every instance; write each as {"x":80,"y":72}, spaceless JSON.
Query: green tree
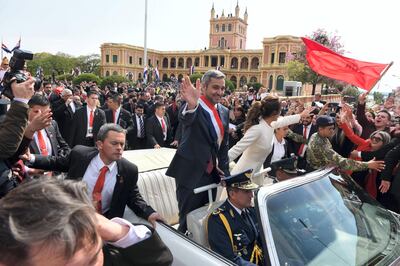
{"x":229,"y":85}
{"x":67,"y":77}
{"x":304,"y":73}
{"x":89,"y":63}
{"x":378,"y":97}
{"x":255,"y":85}
{"x":86,"y":77}
{"x":111,"y":80}
{"x":351,"y":91}
{"x":195,"y":76}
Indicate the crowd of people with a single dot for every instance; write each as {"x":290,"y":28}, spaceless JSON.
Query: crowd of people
{"x":79,"y":132}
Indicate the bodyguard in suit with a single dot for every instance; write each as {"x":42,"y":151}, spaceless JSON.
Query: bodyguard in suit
{"x":47,"y":141}
{"x":306,"y":129}
{"x":111,"y":179}
{"x":87,"y":122}
{"x":137,"y":138}
{"x":117,"y":115}
{"x":202,"y":154}
{"x":232,"y":228}
{"x":63,"y":112}
{"x":158,"y":128}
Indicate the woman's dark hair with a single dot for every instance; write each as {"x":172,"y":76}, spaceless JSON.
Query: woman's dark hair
{"x":267,"y":107}
{"x":243,"y":113}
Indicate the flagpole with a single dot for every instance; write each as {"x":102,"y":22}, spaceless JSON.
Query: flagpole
{"x":383,"y":73}
{"x":2,"y":48}
{"x":145,"y":34}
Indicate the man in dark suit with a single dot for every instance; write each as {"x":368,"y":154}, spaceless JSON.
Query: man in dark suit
{"x":111,"y":179}
{"x":47,"y":141}
{"x":87,"y":122}
{"x":117,"y":115}
{"x":158,"y":128}
{"x":64,"y":229}
{"x":306,"y":129}
{"x":137,"y":138}
{"x":202,"y":154}
{"x":63,"y":112}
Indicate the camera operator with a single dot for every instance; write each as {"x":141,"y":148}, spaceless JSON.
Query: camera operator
{"x":15,"y":122}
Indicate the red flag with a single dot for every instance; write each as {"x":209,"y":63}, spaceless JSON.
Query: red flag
{"x":328,"y":63}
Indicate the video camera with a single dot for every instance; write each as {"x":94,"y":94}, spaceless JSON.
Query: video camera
{"x":16,"y":72}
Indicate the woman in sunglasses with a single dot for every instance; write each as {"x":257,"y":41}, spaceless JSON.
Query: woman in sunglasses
{"x":372,"y":181}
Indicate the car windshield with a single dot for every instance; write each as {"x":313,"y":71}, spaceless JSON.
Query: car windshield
{"x":331,"y":221}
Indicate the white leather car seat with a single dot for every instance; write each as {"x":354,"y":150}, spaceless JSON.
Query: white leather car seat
{"x":197,"y":223}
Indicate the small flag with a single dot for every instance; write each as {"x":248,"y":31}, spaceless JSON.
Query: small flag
{"x":330,"y":64}
{"x":156,"y":73}
{"x":5,"y":48}
{"x":17,"y":46}
{"x":192,"y":70}
{"x":145,"y":74}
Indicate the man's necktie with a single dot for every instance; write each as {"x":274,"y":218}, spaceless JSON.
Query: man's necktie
{"x":98,"y":188}
{"x":141,"y":127}
{"x":42,"y":144}
{"x":163,"y":125}
{"x":114,"y":118}
{"x":302,"y":145}
{"x":91,"y":118}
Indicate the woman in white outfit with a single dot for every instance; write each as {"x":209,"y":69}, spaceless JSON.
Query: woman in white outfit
{"x":257,"y":141}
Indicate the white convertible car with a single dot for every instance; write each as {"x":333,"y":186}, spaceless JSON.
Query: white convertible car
{"x":322,"y":218}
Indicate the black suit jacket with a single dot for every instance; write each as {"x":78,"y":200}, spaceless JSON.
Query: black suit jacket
{"x":124,"y":118}
{"x":154,"y":133}
{"x":126,"y":191}
{"x":299,"y":129}
{"x":58,"y":145}
{"x":63,"y":115}
{"x":197,"y":147}
{"x":79,"y":126}
{"x":151,"y":251}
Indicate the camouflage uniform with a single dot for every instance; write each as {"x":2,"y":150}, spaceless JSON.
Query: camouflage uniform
{"x":320,"y":154}
{"x":296,"y":137}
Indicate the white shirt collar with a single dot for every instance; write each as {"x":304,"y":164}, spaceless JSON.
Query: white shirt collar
{"x":98,"y":162}
{"x":236,"y":208}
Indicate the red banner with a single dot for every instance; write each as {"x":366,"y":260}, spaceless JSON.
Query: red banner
{"x":330,"y":64}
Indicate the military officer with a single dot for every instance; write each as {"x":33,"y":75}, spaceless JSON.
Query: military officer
{"x":232,"y":228}
{"x":320,"y":153}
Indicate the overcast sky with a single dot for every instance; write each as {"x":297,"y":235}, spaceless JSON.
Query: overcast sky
{"x":369,"y":29}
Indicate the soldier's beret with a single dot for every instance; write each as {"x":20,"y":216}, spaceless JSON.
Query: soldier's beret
{"x":325,"y":120}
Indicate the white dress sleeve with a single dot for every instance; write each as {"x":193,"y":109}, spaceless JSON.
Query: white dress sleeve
{"x":251,"y":135}
{"x":285,"y":121}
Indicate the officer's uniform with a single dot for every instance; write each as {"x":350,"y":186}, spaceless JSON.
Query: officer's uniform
{"x":320,"y":153}
{"x":232,"y":234}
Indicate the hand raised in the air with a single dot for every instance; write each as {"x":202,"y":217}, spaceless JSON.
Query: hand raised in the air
{"x":190,"y":93}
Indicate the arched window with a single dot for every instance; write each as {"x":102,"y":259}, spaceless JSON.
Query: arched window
{"x":173,"y":63}
{"x":254,"y":63}
{"x":244,"y":63}
{"x":217,"y":28}
{"x":107,"y":73}
{"x":243,"y":81}
{"x":234,"y":63}
{"x":229,"y":27}
{"x":189,"y":62}
{"x":253,"y":79}
{"x":180,"y":62}
{"x":180,"y":77}
{"x":115,"y":73}
{"x":165,"y":62}
{"x":270,"y":82}
{"x":223,"y":27}
{"x":165,"y":77}
{"x":279,"y":82}
{"x":234,"y":80}
{"x":197,"y":61}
